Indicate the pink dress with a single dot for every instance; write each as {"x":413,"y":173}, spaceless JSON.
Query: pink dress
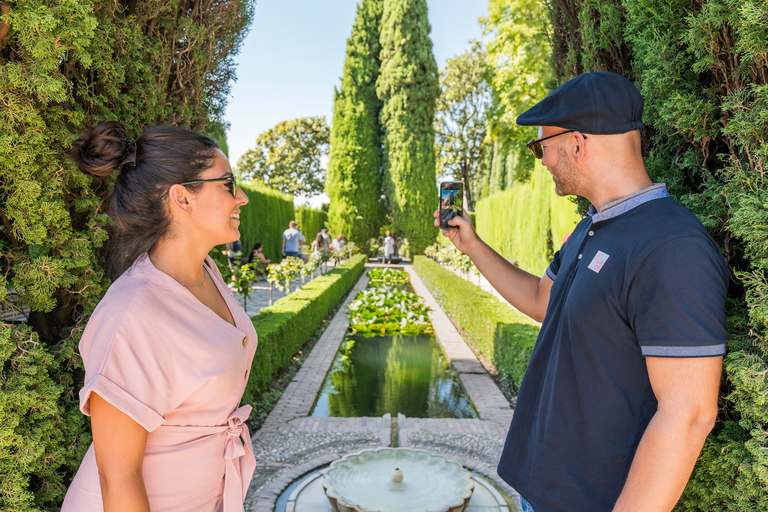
{"x":169,"y":362}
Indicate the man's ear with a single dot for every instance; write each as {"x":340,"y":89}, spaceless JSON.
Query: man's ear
{"x":579,"y":144}
{"x":178,"y":197}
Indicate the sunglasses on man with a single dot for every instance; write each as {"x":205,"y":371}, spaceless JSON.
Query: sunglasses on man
{"x":535,"y":145}
{"x":231,"y":184}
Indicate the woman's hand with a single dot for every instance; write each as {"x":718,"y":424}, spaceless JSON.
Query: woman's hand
{"x":119,"y":443}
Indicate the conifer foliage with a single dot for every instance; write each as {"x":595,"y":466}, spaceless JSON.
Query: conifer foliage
{"x":408,"y":87}
{"x":353,"y":179}
{"x":702,"y":67}
{"x":65,"y":64}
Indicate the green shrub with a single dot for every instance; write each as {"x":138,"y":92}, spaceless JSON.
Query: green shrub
{"x":286,"y":325}
{"x":310,"y":222}
{"x":65,"y":64}
{"x":504,"y":336}
{"x":264,"y":219}
{"x":527,"y":222}
{"x":702,"y":69}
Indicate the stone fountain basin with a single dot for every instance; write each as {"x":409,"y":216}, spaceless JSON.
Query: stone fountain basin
{"x":363,"y":482}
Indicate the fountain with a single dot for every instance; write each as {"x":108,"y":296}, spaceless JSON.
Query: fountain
{"x":397,"y":480}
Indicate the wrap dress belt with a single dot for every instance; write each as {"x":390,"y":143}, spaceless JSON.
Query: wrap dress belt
{"x":240,"y":462}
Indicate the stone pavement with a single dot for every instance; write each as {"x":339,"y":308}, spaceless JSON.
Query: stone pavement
{"x":291,"y":444}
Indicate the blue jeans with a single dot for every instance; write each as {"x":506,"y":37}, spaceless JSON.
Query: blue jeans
{"x":526,"y":506}
{"x":295,"y":254}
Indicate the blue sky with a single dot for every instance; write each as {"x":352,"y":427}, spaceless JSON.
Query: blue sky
{"x":294,"y":55}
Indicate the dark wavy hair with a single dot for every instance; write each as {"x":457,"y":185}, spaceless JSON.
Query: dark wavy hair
{"x":162,"y":156}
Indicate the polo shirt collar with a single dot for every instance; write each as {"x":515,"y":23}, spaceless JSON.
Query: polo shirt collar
{"x":623,"y":205}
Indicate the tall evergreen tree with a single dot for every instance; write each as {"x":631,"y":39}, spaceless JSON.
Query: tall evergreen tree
{"x":408,"y":86}
{"x":353,"y":179}
{"x":498,"y":169}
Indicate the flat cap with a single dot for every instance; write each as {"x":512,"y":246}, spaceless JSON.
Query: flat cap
{"x":598,"y":102}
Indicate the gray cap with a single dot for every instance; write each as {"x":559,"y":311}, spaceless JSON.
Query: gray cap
{"x":598,"y":102}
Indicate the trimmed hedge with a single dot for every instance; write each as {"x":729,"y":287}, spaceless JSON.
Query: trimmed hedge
{"x":504,"y":336}
{"x":286,"y":325}
{"x":310,"y":222}
{"x":528,"y":221}
{"x":264,"y":219}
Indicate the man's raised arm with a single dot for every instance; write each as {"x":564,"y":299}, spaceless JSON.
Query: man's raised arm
{"x":525,"y":291}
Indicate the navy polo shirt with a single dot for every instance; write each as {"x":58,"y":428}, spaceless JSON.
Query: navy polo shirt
{"x":641,"y":278}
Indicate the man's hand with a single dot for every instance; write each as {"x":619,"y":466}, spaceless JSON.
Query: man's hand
{"x":464,"y":238}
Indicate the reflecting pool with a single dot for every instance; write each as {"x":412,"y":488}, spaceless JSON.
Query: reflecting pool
{"x":373,"y":376}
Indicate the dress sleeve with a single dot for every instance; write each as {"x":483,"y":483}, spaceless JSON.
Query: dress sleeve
{"x":131,"y":362}
{"x":676,"y":300}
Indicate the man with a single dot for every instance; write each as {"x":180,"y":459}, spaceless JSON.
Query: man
{"x":293,"y":241}
{"x":621,"y":388}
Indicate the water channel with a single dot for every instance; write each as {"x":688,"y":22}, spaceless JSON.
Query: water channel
{"x":372,"y":376}
{"x":407,"y":374}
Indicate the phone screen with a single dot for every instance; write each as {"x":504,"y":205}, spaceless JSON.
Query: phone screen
{"x":451,"y":202}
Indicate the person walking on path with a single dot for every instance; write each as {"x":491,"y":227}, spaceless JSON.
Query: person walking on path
{"x":389,"y":247}
{"x":168,"y":350}
{"x":293,"y":241}
{"x":621,"y":389}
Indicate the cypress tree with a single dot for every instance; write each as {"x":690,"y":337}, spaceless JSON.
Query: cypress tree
{"x":408,"y":86}
{"x":353,"y":178}
{"x":498,"y":169}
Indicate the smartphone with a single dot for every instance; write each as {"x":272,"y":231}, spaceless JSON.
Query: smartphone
{"x":451,"y":202}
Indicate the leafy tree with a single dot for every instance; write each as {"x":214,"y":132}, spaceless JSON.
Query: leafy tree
{"x":353,"y":180}
{"x":519,"y":54}
{"x":288,"y":157}
{"x":65,"y":64}
{"x":460,"y":120}
{"x":408,"y":87}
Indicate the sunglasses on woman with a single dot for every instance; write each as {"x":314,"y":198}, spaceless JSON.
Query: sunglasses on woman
{"x":231,"y":184}
{"x":535,"y":145}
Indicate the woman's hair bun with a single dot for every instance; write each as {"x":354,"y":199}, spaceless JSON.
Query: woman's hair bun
{"x":103,"y":149}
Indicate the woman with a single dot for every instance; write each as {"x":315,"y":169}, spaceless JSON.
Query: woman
{"x":168,"y":350}
{"x":257,"y":255}
{"x":318,"y":244}
{"x":389,"y":247}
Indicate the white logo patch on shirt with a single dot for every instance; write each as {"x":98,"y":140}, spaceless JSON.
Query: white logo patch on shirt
{"x":598,"y":261}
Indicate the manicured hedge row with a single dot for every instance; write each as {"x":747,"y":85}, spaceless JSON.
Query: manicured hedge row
{"x":286,"y":325}
{"x":504,"y":336}
{"x":311,"y":222}
{"x":264,"y":219}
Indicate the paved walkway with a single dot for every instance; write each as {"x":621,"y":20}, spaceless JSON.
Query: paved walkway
{"x":291,"y":444}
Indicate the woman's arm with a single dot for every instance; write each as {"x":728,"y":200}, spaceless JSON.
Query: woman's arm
{"x":119,"y":443}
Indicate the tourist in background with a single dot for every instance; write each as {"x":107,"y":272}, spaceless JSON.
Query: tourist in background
{"x":326,"y":237}
{"x":293,"y":241}
{"x":318,"y":244}
{"x":234,"y":251}
{"x":389,"y":247}
{"x":258,"y":256}
{"x":168,"y":350}
{"x":338,"y":243}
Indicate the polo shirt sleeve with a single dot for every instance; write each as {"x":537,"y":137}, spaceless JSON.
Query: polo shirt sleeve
{"x":676,"y":299}
{"x":554,"y":267}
